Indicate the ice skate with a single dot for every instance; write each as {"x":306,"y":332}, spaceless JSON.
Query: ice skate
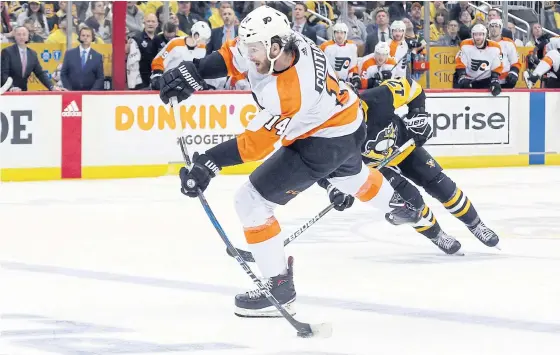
{"x":403,"y":212}
{"x":447,"y":244}
{"x":255,"y":304}
{"x":485,"y":234}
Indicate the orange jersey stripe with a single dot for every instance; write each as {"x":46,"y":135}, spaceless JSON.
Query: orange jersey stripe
{"x":225,"y":51}
{"x":262,"y":233}
{"x":257,"y":145}
{"x":371,"y":187}
{"x":324,"y":45}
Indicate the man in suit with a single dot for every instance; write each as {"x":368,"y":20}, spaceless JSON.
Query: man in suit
{"x":19,"y":62}
{"x":226,"y":32}
{"x":300,"y":22}
{"x":378,"y":33}
{"x":82,"y":68}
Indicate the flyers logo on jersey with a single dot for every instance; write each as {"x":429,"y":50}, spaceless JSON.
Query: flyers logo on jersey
{"x":477,"y":64}
{"x":341,"y":63}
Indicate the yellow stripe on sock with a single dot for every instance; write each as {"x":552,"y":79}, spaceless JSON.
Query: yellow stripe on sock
{"x":425,"y":228}
{"x":454,"y":199}
{"x":464,"y":210}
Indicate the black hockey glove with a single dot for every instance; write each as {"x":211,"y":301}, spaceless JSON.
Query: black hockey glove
{"x":155,"y":80}
{"x":181,"y":82}
{"x":340,"y":200}
{"x":512,"y":78}
{"x":495,"y":87}
{"x":356,"y":82}
{"x":419,"y":127}
{"x":383,"y":75}
{"x":464,"y":82}
{"x":202,"y":171}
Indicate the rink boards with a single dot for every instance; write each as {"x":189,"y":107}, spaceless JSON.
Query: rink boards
{"x":49,"y":136}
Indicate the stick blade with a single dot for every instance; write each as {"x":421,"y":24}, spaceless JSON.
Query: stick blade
{"x":322,"y":330}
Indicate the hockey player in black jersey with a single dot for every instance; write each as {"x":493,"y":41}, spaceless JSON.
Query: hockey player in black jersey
{"x":386,"y":131}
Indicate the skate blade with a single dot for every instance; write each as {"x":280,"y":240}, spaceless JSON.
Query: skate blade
{"x":268,"y":312}
{"x":497,"y":246}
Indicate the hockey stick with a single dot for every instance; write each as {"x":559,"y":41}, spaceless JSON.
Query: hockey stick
{"x":6,"y":85}
{"x":248,"y":256}
{"x":304,"y":330}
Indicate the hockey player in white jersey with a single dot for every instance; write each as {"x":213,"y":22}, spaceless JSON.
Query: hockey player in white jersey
{"x":310,"y":126}
{"x":510,"y":57}
{"x":399,"y":48}
{"x":479,"y":62}
{"x":378,"y":66}
{"x":180,"y":49}
{"x":343,"y":55}
{"x":548,"y":68}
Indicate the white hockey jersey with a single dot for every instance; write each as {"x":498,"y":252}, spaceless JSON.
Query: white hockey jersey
{"x":399,"y":49}
{"x":302,"y":101}
{"x":510,"y":58}
{"x":175,"y":52}
{"x":370,"y":68}
{"x":343,"y":58}
{"x":550,"y":63}
{"x":479,"y":63}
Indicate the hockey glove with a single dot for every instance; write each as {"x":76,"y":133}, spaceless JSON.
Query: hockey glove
{"x":199,"y":176}
{"x":530,"y":79}
{"x":181,"y":82}
{"x":356,"y":82}
{"x":465,"y":82}
{"x":511,"y":78}
{"x":155,"y":80}
{"x":419,"y":128}
{"x":495,"y":87}
{"x":383,"y":75}
{"x":340,"y":200}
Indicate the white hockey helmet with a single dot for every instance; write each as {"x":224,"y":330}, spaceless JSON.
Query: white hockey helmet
{"x":203,"y":30}
{"x":341,"y":27}
{"x":382,"y":48}
{"x":479,"y":28}
{"x":261,"y":25}
{"x":398,"y":25}
{"x":495,"y":22}
{"x":382,"y":52}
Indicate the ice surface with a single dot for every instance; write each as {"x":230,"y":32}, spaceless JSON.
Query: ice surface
{"x":134,"y":267}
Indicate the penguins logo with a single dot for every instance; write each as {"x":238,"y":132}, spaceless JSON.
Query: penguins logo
{"x":382,"y":146}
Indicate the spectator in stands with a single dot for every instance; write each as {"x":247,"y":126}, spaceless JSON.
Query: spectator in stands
{"x":439,"y":27}
{"x":35,"y":12}
{"x":225,"y":33}
{"x":175,"y":20}
{"x":216,"y":20}
{"x":378,"y":33}
{"x":452,"y":37}
{"x":494,"y":14}
{"x":399,"y":10}
{"x":515,"y":35}
{"x":82,"y":68}
{"x":357,"y":29}
{"x":99,"y":22}
{"x":457,"y":11}
{"x":300,"y":22}
{"x":134,"y":19}
{"x":142,"y":50}
{"x":434,"y":7}
{"x":465,"y":21}
{"x":152,"y":7}
{"x":416,"y":17}
{"x":536,"y":33}
{"x":59,"y":35}
{"x":161,"y":39}
{"x":20,"y":61}
{"x":33,"y":37}
{"x":62,"y":12}
{"x":324,"y":9}
{"x":186,"y":17}
{"x":7,"y":33}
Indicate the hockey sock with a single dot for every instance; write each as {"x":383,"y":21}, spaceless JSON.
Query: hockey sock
{"x":461,"y":207}
{"x":428,"y":225}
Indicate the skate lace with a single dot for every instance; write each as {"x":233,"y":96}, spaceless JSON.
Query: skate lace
{"x":256,"y":293}
{"x":445,"y":242}
{"x":483,"y":233}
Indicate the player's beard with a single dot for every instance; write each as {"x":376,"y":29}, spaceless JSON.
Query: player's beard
{"x":263,"y":67}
